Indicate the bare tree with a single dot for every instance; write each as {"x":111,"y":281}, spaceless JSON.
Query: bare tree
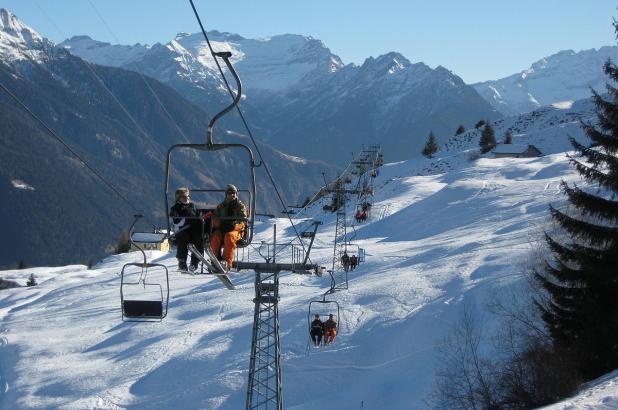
{"x":465,"y":380}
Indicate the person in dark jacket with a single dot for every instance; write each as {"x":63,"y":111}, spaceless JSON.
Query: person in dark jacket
{"x":316,"y":331}
{"x":358,"y":215}
{"x":187,"y":228}
{"x":353,"y":262}
{"x":228,"y":226}
{"x":345,"y":261}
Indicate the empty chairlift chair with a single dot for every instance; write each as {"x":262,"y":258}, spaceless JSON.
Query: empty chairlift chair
{"x":144,"y":287}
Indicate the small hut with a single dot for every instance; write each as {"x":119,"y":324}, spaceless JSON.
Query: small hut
{"x":516,"y":151}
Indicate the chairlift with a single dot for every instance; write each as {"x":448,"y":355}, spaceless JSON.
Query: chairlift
{"x":211,"y":197}
{"x":323,"y":308}
{"x":141,"y":299}
{"x":144,"y":291}
{"x":246,"y":187}
{"x":353,"y":250}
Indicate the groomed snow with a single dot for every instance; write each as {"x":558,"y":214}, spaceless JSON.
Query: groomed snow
{"x":447,"y":238}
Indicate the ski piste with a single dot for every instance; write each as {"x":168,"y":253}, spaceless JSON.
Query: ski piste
{"x":213,"y":266}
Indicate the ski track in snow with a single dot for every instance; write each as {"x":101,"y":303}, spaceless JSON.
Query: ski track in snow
{"x":448,"y":238}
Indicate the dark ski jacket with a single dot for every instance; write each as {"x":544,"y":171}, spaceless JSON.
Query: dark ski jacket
{"x":316,"y":326}
{"x":185,"y":217}
{"x":330,"y":324}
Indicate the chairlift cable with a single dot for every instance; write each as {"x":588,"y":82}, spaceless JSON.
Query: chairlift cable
{"x":102,"y":83}
{"x":246,"y":125}
{"x":152,"y":91}
{"x":71,"y":150}
{"x":106,"y":88}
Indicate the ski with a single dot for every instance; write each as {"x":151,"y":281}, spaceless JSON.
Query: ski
{"x":212,"y":265}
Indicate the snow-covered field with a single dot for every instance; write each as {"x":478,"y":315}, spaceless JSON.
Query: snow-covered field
{"x":445,"y":239}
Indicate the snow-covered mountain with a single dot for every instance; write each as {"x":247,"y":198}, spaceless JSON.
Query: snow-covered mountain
{"x":300,"y":95}
{"x":439,"y":237}
{"x":272,"y":64}
{"x":387,"y":100}
{"x":300,"y":92}
{"x":104,"y":53}
{"x":18,"y":41}
{"x":564,"y":76}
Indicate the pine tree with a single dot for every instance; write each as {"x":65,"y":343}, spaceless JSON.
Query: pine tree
{"x":581,"y":276}
{"x":31,"y":280}
{"x":460,"y":130}
{"x":480,"y":124}
{"x":431,"y":147}
{"x":488,"y":139}
{"x":508,"y":138}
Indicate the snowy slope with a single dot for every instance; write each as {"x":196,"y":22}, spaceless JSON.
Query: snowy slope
{"x":547,"y":128}
{"x":564,"y":76}
{"x":447,"y":237}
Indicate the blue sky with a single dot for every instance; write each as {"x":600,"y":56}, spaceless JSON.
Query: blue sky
{"x":478,"y":40}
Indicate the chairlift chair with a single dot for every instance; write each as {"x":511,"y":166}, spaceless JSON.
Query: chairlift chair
{"x":361,"y":255}
{"x":140,"y":298}
{"x":246,"y":194}
{"x":353,"y":249}
{"x":323,"y":308}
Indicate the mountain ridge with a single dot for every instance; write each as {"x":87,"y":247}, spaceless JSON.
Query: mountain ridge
{"x":298,"y":89}
{"x":564,"y":76}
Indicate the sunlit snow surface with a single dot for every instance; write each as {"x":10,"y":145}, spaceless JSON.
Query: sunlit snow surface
{"x":432,"y":241}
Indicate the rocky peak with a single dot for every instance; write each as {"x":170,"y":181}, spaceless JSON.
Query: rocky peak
{"x":16,"y":37}
{"x":13,"y":26}
{"x":389,"y":63}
